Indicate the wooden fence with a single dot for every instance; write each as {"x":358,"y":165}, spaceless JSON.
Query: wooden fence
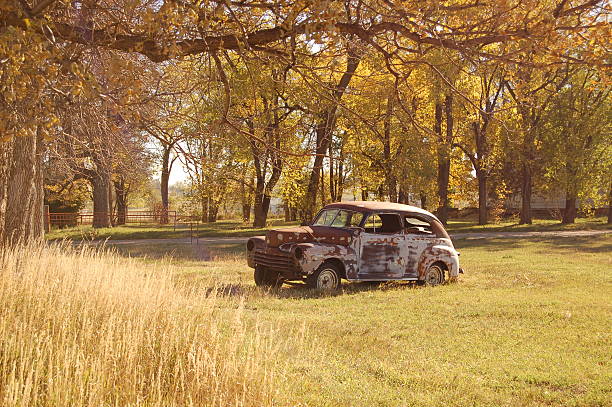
{"x":63,"y":219}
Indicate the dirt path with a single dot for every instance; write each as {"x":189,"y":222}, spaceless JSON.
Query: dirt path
{"x":455,"y":236}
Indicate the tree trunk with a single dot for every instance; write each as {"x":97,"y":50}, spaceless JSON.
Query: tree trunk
{"x":526,"y":186}
{"x":402,"y":196}
{"x":262,"y":205}
{"x":332,"y":183}
{"x":482,"y":197}
{"x":325,"y":128}
{"x":100,"y":184}
{"x":23,"y":213}
{"x":259,"y":217}
{"x":263,"y":189}
{"x":423,"y":200}
{"x":245,"y":196}
{"x":165,"y":177}
{"x":340,"y":176}
{"x":110,"y":203}
{"x":246,"y":212}
{"x":5,"y":148}
{"x":569,"y":214}
{"x":610,"y":206}
{"x":293,"y":214}
{"x":121,"y":201}
{"x":391,"y":181}
{"x":443,"y":158}
{"x":322,"y":187}
{"x":205,"y":207}
{"x":213,"y":211}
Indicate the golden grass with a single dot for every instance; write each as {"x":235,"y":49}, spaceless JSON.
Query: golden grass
{"x":89,"y":328}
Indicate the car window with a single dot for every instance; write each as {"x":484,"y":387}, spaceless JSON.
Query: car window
{"x":341,"y":219}
{"x":374,"y":223}
{"x":356,"y":219}
{"x":383,"y":223}
{"x":338,"y":218}
{"x":326,"y":217}
{"x":414,"y":225}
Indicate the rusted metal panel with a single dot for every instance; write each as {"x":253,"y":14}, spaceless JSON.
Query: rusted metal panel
{"x":380,"y":256}
{"x":439,"y":253}
{"x":308,"y":234}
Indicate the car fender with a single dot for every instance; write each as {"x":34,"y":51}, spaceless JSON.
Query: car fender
{"x":314,"y":254}
{"x":439,"y":253}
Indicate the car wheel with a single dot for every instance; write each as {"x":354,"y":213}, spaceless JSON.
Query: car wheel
{"x":267,"y":278}
{"x":326,"y":278}
{"x":434,"y":275}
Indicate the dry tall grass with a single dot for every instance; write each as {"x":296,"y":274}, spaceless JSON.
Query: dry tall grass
{"x":89,"y":328}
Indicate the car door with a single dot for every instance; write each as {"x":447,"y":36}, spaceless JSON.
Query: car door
{"x":418,"y":237}
{"x":380,"y":243}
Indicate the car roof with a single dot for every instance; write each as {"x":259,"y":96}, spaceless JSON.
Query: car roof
{"x":375,"y":206}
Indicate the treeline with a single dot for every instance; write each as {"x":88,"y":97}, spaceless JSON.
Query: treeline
{"x":432,"y":103}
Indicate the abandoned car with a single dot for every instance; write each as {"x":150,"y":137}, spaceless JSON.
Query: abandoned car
{"x":356,"y":241}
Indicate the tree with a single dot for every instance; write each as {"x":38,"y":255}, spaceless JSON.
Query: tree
{"x":532,"y":92}
{"x":480,"y":146}
{"x":577,"y":141}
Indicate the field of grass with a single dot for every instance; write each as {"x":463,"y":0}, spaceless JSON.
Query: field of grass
{"x":229,"y":228}
{"x":527,"y":325}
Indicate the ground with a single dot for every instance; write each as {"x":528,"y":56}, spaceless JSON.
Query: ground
{"x":528,"y":324}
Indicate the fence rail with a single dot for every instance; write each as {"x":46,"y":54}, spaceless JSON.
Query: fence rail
{"x":62,"y":219}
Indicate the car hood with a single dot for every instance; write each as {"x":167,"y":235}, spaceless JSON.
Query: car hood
{"x":309,"y":234}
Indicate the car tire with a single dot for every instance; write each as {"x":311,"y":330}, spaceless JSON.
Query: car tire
{"x":326,"y":278}
{"x":435,"y":275}
{"x":267,"y":278}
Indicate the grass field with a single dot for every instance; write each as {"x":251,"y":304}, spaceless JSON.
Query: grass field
{"x":229,"y":228}
{"x":527,"y":325}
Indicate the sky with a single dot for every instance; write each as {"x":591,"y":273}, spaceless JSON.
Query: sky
{"x":178,"y":173}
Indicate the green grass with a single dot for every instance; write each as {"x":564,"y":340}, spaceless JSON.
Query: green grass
{"x":233,"y":228}
{"x":539,"y":225}
{"x":527,"y":325}
{"x":224,"y":228}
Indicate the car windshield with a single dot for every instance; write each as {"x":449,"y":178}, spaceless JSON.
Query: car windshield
{"x":339,"y":218}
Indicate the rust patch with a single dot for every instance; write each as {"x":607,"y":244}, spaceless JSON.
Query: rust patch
{"x":307,"y":234}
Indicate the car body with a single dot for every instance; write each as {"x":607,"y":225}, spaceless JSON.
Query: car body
{"x":357,"y":241}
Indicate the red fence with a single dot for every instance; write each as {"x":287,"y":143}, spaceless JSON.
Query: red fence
{"x":62,"y":219}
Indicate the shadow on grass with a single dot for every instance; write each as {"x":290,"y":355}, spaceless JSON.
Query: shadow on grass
{"x":303,"y":292}
{"x":300,"y":290}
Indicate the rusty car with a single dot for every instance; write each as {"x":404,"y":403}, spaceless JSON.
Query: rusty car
{"x":356,"y":241}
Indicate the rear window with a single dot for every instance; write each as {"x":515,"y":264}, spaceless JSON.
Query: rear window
{"x":417,"y":226}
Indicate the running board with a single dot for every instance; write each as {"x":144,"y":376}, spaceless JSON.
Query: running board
{"x":386,"y":279}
